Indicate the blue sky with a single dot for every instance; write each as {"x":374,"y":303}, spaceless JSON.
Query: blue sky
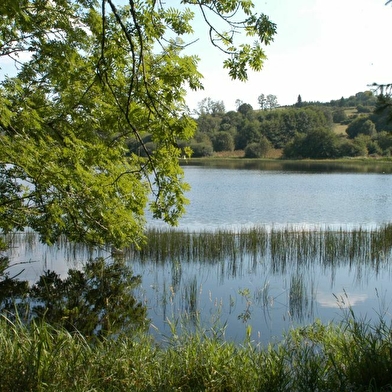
{"x":323,"y":50}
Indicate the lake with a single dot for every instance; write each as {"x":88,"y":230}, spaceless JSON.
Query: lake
{"x":251,"y":290}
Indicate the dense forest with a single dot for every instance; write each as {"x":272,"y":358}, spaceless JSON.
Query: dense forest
{"x":347,"y":127}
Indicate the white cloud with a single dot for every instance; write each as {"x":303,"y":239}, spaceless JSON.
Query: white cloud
{"x":341,"y":300}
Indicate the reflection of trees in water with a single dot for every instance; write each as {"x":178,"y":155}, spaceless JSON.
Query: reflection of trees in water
{"x":176,"y":274}
{"x":254,"y":252}
{"x":96,"y":301}
{"x":297,"y":166}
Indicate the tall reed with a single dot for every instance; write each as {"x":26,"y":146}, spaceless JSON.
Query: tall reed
{"x":328,"y":247}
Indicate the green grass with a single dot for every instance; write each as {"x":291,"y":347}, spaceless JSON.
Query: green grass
{"x":351,"y":356}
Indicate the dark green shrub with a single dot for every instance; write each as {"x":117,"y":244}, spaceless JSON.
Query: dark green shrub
{"x":258,"y":150}
{"x":361,"y":125}
{"x":318,"y":143}
{"x":223,"y":141}
{"x":373,"y":148}
{"x":339,"y":115}
{"x":363,"y":109}
{"x":201,"y":150}
{"x":348,"y":148}
{"x":384,"y":140}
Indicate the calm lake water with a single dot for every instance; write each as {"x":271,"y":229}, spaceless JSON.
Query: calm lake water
{"x":250,"y":290}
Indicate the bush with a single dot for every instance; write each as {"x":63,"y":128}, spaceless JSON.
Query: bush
{"x":258,"y":150}
{"x":348,"y":148}
{"x":339,"y":115}
{"x":361,"y":125}
{"x":363,"y":109}
{"x":223,"y":141}
{"x":318,"y":143}
{"x":384,"y":140}
{"x":201,"y":150}
{"x":373,"y":148}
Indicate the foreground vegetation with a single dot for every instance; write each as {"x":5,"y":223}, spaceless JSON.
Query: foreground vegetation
{"x":352,"y":356}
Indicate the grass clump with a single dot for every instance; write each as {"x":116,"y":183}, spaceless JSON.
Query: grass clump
{"x":351,"y":356}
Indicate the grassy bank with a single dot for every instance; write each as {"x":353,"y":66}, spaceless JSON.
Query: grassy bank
{"x":352,"y":356}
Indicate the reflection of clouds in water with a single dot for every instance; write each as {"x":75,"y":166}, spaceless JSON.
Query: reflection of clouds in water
{"x":340,"y":300}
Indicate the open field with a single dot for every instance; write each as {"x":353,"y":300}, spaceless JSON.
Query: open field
{"x":340,"y":129}
{"x":272,"y":154}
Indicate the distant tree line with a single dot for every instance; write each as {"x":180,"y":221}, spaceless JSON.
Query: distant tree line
{"x":303,"y":130}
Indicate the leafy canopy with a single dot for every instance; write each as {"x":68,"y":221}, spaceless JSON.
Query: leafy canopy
{"x":90,"y":76}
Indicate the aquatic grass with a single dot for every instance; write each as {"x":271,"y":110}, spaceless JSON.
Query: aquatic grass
{"x":353,"y":355}
{"x":190,"y":298}
{"x":262,"y":295}
{"x":297,"y":297}
{"x":279,"y":247}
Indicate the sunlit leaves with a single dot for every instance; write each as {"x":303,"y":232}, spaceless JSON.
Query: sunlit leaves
{"x":237,"y":17}
{"x":247,"y":55}
{"x":91,"y":79}
{"x":179,"y":21}
{"x":262,"y":27}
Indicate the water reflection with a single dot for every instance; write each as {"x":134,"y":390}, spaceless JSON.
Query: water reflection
{"x":269,"y":280}
{"x":342,"y":300}
{"x":308,"y":243}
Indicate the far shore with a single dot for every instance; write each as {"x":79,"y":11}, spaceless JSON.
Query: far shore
{"x":277,"y":157}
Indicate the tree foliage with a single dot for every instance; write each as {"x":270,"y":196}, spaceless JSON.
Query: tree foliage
{"x":272,"y":101}
{"x":209,"y":106}
{"x":90,"y":77}
{"x":267,"y":102}
{"x":258,"y":150}
{"x":262,"y":100}
{"x":361,"y":125}
{"x":363,"y":98}
{"x":318,"y":143}
{"x":280,"y":126}
{"x":223,"y":141}
{"x":298,"y":104}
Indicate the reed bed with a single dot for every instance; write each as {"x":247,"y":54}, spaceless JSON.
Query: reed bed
{"x":328,"y":247}
{"x":280,"y":246}
{"x":351,"y":356}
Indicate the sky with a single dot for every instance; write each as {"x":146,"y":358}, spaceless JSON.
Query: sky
{"x":323,"y":50}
